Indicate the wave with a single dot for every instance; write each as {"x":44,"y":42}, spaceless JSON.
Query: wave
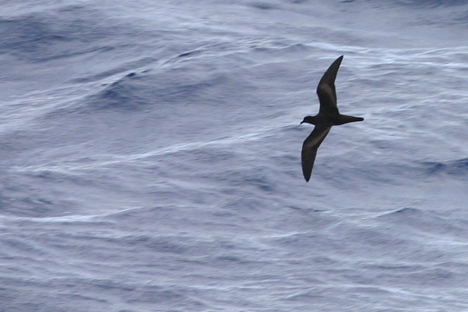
{"x":428,"y":3}
{"x":57,"y":33}
{"x":453,"y":167}
{"x":106,"y":160}
{"x":425,"y":220}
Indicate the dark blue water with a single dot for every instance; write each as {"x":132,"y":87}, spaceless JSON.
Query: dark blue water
{"x":150,"y":156}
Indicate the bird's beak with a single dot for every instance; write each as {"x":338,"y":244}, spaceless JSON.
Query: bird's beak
{"x":301,"y":122}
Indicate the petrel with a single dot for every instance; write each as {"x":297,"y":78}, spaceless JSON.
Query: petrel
{"x":327,"y":117}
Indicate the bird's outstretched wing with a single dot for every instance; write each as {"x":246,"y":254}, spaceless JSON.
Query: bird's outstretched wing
{"x":310,"y":147}
{"x":326,"y":89}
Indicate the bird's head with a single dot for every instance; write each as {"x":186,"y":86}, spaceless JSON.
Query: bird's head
{"x":309,"y":119}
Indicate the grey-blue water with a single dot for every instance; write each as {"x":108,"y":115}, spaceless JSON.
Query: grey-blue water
{"x":150,"y":156}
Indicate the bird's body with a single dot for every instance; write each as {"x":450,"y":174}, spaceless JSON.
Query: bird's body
{"x":327,"y":117}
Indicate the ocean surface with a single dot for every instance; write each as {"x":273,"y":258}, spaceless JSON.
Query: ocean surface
{"x":150,"y":156}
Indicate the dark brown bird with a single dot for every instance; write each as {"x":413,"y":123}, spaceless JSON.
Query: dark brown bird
{"x":327,"y":117}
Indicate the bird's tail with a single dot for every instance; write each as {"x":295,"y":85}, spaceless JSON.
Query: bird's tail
{"x":345,"y":119}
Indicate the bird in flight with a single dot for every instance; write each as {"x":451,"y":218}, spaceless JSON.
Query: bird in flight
{"x":327,"y":117}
